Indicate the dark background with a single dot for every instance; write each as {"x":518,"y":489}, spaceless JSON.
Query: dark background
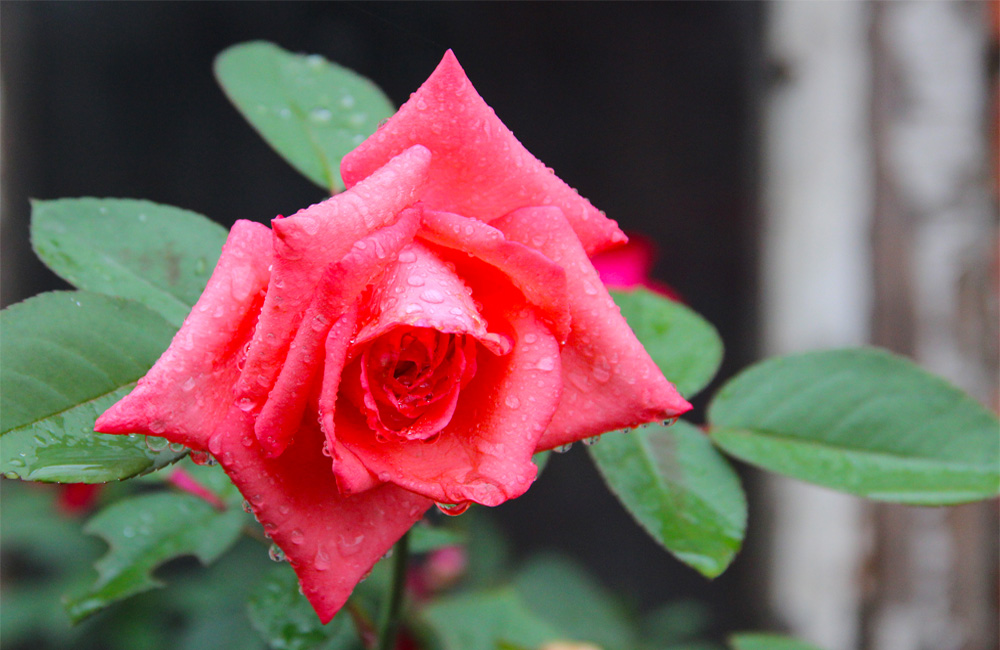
{"x":648,"y":109}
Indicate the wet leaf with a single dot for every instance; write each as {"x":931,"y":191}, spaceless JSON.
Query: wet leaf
{"x":309,"y":110}
{"x":485,"y":620}
{"x":158,"y":255}
{"x":146,"y":531}
{"x":679,"y":489}
{"x":68,"y":356}
{"x":861,"y":421}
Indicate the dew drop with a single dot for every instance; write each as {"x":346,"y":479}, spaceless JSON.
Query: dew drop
{"x":530,"y":338}
{"x":591,"y":441}
{"x":512,"y":401}
{"x":156,"y":444}
{"x":188,"y":384}
{"x":432,"y":296}
{"x":322,"y":560}
{"x":275,"y":553}
{"x":247,"y":508}
{"x":562,"y":449}
{"x":320,"y":114}
{"x":407,"y":256}
{"x":297,"y":537}
{"x":453,"y":509}
{"x":669,"y":421}
{"x":546,"y":364}
{"x":200,"y":457}
{"x":415,"y":281}
{"x":350,"y":544}
{"x":157,"y":426}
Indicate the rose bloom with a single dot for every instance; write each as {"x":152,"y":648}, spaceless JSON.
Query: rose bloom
{"x":412,"y":340}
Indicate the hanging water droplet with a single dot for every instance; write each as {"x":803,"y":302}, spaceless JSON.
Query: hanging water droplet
{"x":275,"y":553}
{"x":669,"y":421}
{"x":562,"y":449}
{"x":176,"y":447}
{"x":200,"y":457}
{"x":247,"y":508}
{"x":453,"y":509}
{"x":591,"y":441}
{"x":156,"y":444}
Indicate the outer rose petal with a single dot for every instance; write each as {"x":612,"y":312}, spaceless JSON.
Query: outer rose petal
{"x":484,"y":454}
{"x":311,"y":239}
{"x":479,"y":168}
{"x":331,"y":541}
{"x":337,"y":289}
{"x":188,"y":392}
{"x":609,"y":381}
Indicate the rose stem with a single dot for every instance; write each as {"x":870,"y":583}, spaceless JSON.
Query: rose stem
{"x":390,"y":615}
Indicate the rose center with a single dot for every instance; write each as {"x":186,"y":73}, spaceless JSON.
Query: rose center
{"x":412,"y":377}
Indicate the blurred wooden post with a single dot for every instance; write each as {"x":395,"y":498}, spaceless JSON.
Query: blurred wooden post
{"x":932,"y":580}
{"x":878,"y":226}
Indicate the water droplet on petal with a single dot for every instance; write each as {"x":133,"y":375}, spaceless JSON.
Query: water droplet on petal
{"x":247,"y":508}
{"x":297,"y":536}
{"x":432,"y":296}
{"x":275,"y":553}
{"x":156,"y":444}
{"x":591,"y":441}
{"x":562,"y":449}
{"x":454,"y":509}
{"x":669,"y":421}
{"x":322,"y":560}
{"x":512,"y":401}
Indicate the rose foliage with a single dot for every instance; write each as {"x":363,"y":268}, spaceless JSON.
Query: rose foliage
{"x":414,"y":339}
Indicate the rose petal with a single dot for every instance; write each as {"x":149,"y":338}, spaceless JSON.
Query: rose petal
{"x":331,"y":541}
{"x":311,"y":239}
{"x":609,"y":380}
{"x":542,"y":282}
{"x":421,"y":291}
{"x":188,"y":392}
{"x":336,"y":290}
{"x":479,"y":168}
{"x":484,"y":454}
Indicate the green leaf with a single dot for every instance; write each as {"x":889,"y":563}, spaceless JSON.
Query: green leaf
{"x":284,"y":619}
{"x":679,"y":621}
{"x":679,"y":489}
{"x":562,"y":594}
{"x":425,"y":538}
{"x":309,"y":110}
{"x":861,"y":421}
{"x":486,"y":620}
{"x":145,"y":531}
{"x":758,"y":641}
{"x":158,"y":255}
{"x":67,"y":357}
{"x":684,"y":345}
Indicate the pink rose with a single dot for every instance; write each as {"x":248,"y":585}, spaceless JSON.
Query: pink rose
{"x":412,"y":340}
{"x":631,"y":265}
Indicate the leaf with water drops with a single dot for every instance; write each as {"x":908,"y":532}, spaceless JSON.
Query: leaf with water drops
{"x":144,"y":532}
{"x":67,"y":357}
{"x":684,"y":345}
{"x":760,"y":641}
{"x":861,"y":421}
{"x":158,"y":255}
{"x":679,"y":489}
{"x":283,"y":618}
{"x":309,"y":110}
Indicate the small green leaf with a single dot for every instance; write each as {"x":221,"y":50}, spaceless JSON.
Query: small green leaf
{"x":679,"y":489}
{"x":485,"y":620}
{"x":158,"y":255}
{"x":684,"y":345}
{"x":309,"y":110}
{"x":67,"y":357}
{"x":146,"y":531}
{"x":284,"y":619}
{"x":861,"y":421}
{"x":759,"y":641}
{"x":560,"y":593}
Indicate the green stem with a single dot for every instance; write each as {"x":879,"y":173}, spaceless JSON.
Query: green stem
{"x":389,"y":626}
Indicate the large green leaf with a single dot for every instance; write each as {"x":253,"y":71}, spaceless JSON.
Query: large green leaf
{"x":680,"y":489}
{"x":155,"y":254}
{"x":862,"y":421}
{"x":760,"y":641}
{"x":487,"y":620}
{"x":67,"y":357}
{"x":563,"y":595}
{"x":309,"y":110}
{"x":146,"y":531}
{"x":684,"y":345}
{"x":284,"y":619}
